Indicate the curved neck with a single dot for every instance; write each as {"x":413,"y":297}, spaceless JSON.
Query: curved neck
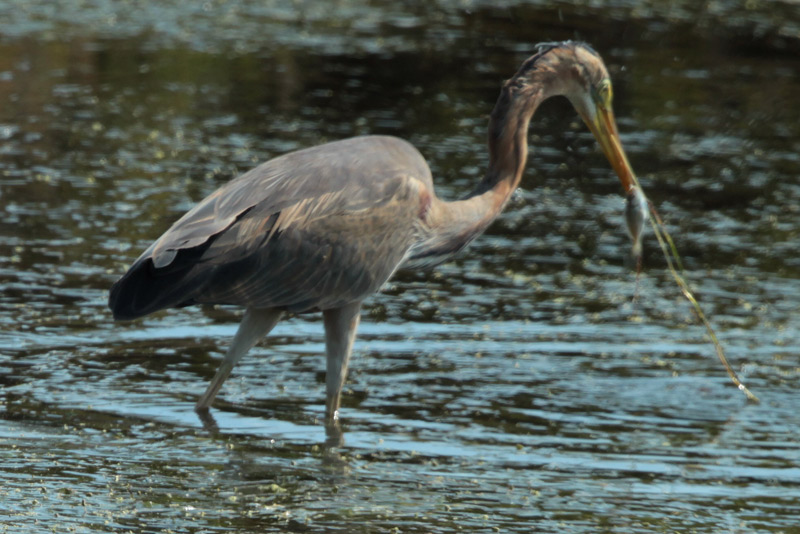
{"x":453,"y":225}
{"x":508,"y":139}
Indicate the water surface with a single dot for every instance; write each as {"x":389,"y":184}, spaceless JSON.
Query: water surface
{"x":524,"y":387}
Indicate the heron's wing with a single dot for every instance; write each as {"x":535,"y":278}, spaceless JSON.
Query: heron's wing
{"x":357,"y":166}
{"x":320,"y":254}
{"x":311,"y":229}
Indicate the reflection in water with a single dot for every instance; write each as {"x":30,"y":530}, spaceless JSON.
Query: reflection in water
{"x":519,"y":388}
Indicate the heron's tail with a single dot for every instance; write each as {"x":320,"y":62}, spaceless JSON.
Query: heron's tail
{"x":145,"y":289}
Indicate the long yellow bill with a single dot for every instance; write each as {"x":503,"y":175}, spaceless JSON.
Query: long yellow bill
{"x":604,"y":128}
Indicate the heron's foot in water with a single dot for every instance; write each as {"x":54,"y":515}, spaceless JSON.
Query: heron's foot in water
{"x":334,"y":436}
{"x":207,"y":420}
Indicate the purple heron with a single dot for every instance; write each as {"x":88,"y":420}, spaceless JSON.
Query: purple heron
{"x":323,"y":228}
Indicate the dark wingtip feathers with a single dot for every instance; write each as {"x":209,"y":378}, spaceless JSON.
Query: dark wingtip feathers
{"x":128,"y":297}
{"x":145,"y":288}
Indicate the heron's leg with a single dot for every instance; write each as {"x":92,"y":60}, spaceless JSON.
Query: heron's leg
{"x":255,"y":325}
{"x":340,"y":332}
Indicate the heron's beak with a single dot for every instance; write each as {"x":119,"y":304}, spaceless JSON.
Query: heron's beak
{"x":602,"y":124}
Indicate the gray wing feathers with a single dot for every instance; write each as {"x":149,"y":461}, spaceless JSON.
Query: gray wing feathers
{"x":352,"y":166}
{"x":316,"y":228}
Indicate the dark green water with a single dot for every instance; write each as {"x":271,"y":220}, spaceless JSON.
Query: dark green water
{"x":520,"y":388}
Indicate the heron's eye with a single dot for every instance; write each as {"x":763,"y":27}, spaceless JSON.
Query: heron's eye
{"x":605,"y":94}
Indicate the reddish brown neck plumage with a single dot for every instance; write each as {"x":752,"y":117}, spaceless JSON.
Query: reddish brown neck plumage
{"x":453,"y":225}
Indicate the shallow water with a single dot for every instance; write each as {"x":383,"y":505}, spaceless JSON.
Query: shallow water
{"x":524,"y":387}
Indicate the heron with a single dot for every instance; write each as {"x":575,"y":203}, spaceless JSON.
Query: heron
{"x":321,"y":229}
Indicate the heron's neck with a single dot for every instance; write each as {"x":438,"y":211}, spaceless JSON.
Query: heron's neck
{"x":453,"y":225}
{"x":508,"y":152}
{"x":508,"y":144}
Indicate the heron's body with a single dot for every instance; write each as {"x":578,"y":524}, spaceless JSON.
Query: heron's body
{"x":325,"y":227}
{"x":272,"y":239}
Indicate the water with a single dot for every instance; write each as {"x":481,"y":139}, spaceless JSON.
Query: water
{"x":520,"y":388}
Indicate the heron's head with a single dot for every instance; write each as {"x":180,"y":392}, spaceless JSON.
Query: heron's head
{"x":576,"y":71}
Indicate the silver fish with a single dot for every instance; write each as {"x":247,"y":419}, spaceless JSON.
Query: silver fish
{"x":636,"y":217}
